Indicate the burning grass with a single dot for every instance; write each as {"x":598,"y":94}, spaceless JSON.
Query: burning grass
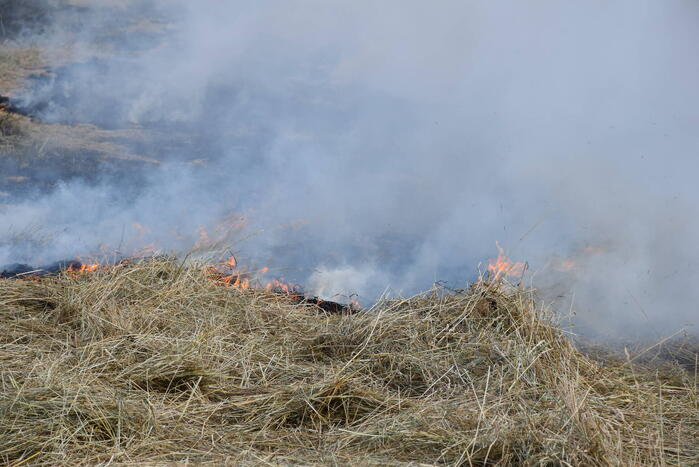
{"x":154,"y":362}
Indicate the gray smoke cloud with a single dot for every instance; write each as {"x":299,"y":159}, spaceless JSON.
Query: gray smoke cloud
{"x":389,"y":144}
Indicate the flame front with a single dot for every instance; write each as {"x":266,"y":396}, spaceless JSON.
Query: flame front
{"x":83,"y":269}
{"x":503,"y":267}
{"x":228,"y":273}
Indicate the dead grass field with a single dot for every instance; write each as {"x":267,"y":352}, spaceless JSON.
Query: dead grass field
{"x":16,"y":63}
{"x":29,"y":148}
{"x":155,"y":363}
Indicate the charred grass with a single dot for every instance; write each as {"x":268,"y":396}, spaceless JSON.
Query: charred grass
{"x":154,"y":363}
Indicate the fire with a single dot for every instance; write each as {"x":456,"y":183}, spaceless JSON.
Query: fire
{"x":225,"y":273}
{"x":240,"y":282}
{"x":504,"y":267}
{"x":279,"y":286}
{"x":228,"y":273}
{"x":83,"y":269}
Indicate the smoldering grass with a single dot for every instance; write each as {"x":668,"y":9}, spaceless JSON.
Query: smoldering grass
{"x":154,"y":362}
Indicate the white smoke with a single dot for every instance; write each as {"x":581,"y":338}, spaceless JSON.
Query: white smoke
{"x":407,"y":137}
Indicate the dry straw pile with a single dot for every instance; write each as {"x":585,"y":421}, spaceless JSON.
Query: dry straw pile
{"x":154,"y":363}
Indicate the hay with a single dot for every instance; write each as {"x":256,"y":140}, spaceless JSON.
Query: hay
{"x":155,"y":363}
{"x":11,"y":131}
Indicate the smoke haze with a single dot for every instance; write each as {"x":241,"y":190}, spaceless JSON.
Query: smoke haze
{"x":388,"y":145}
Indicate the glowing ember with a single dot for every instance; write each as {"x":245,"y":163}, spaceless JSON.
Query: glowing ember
{"x":503,"y":267}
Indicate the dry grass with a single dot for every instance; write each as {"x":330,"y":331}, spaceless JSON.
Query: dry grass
{"x":155,"y":363}
{"x":16,"y":63}
{"x":32,"y":142}
{"x":12,"y":131}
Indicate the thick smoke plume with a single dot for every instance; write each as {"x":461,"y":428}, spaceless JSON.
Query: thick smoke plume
{"x":388,"y":145}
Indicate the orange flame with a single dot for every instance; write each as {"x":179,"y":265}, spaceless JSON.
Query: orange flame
{"x":225,"y":273}
{"x":503,"y":266}
{"x":83,"y":269}
{"x":280,"y":286}
{"x":228,"y":273}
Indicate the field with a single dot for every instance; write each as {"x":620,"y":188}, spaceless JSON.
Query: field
{"x":154,"y":362}
{"x":34,"y":153}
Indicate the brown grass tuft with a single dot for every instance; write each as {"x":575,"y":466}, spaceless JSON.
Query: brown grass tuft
{"x":154,"y":363}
